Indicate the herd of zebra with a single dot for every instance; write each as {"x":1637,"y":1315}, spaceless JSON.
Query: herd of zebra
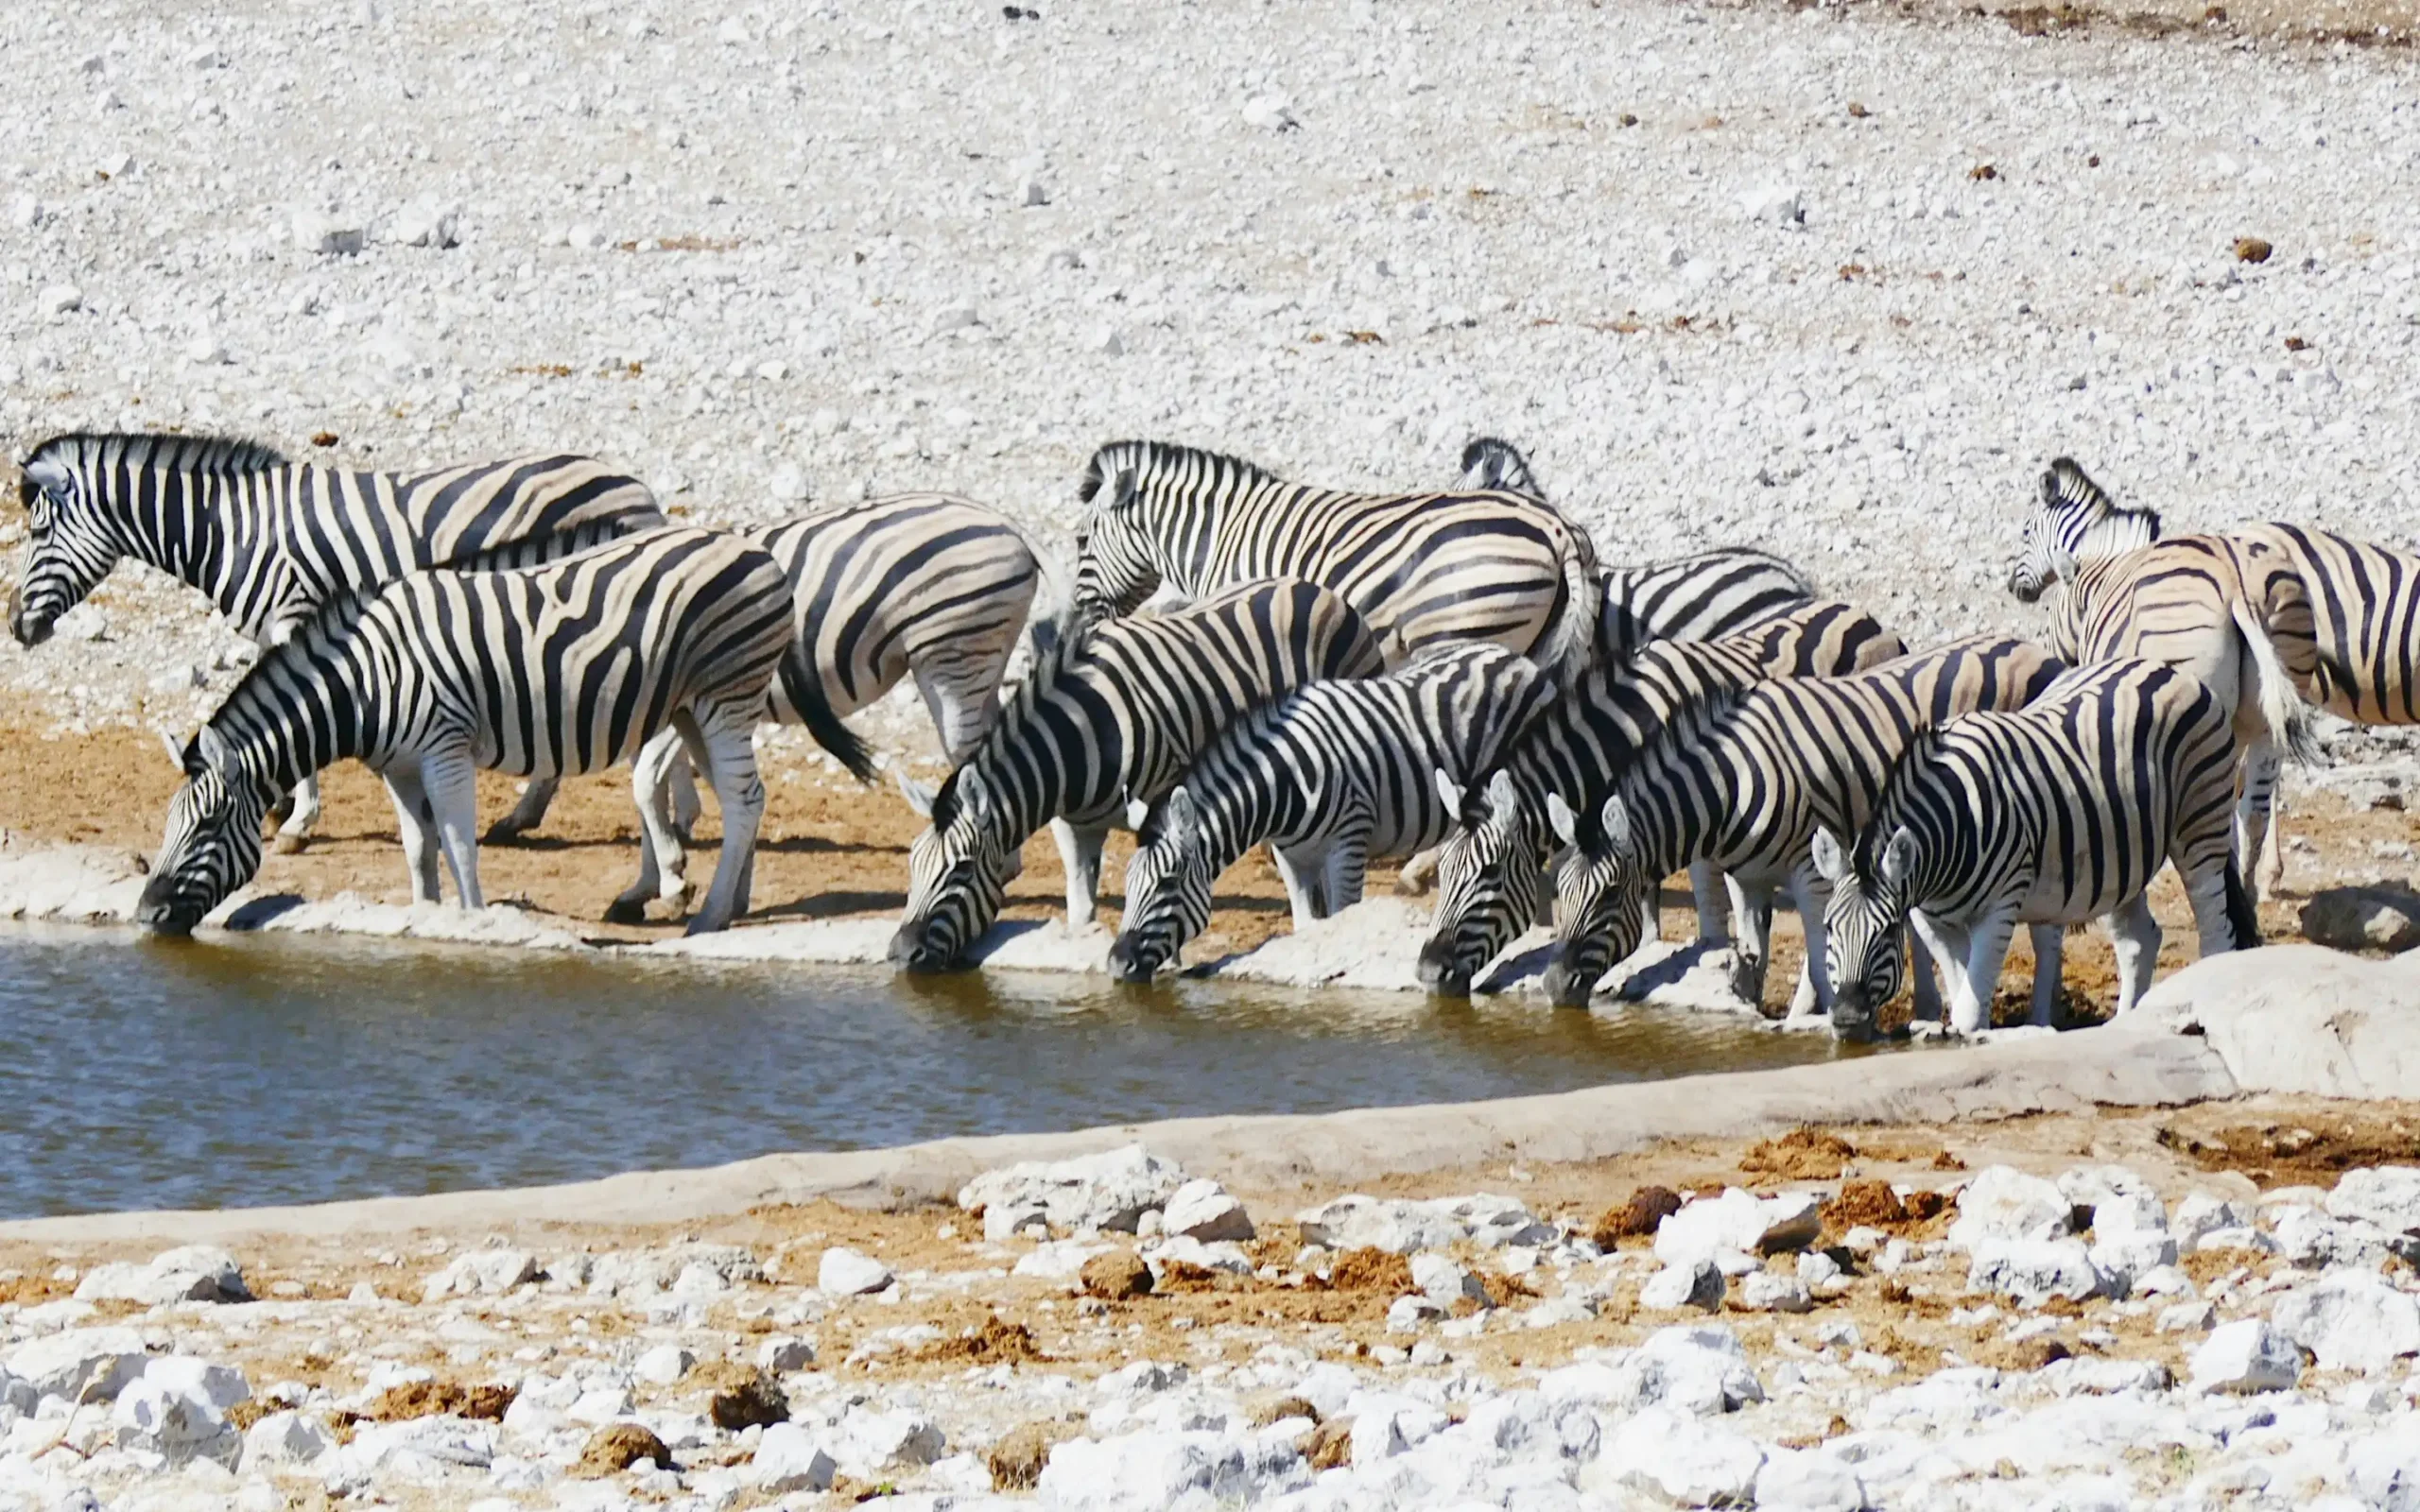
{"x":1449,"y":676}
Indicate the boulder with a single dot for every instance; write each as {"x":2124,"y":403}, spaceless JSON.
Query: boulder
{"x":82,"y":1365}
{"x":481,"y":1272}
{"x":193,"y":1273}
{"x":790,"y":1458}
{"x":1400,"y":1226}
{"x":783,"y":1353}
{"x":1386,"y":1425}
{"x":285,"y":1439}
{"x":871,"y":1445}
{"x":2315,"y":1241}
{"x":1686,"y":1283}
{"x":1806,"y":1480}
{"x":664,"y":1365}
{"x":2362,"y":919}
{"x":2005,"y":1203}
{"x":1447,"y":1281}
{"x":2246,"y":1356}
{"x":2387,"y":1195}
{"x":1740,"y":1223}
{"x":845,"y":1272}
{"x":1146,"y":1469}
{"x":421,"y":1447}
{"x":1695,"y":1368}
{"x":2033,"y":1271}
{"x":1108,"y":1191}
{"x":1682,"y":1460}
{"x":2350,"y":1320}
{"x":2204,"y":1213}
{"x":178,"y":1409}
{"x":1764,"y":1291}
{"x":1203,"y":1210}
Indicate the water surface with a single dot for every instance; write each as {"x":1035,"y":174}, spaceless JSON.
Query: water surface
{"x":138,"y":1073}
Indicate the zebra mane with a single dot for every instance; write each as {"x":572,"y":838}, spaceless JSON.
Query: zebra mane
{"x":1049,"y":663}
{"x":2108,"y":526}
{"x":1161,"y":457}
{"x":219,"y":456}
{"x":1922,"y":747}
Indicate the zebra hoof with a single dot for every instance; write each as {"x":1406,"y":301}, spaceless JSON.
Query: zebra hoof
{"x":626,"y":911}
{"x":503,"y":832}
{"x":1408,"y":886}
{"x":289,"y":845}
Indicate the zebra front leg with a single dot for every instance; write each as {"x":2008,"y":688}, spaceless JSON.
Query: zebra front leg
{"x":1080,"y":858}
{"x":1813,"y":993}
{"x":302,"y":818}
{"x":2134,"y":936}
{"x":1305,"y":873}
{"x":1946,"y":943}
{"x":1752,"y":910}
{"x":1713,"y":918}
{"x":2050,"y":948}
{"x":453,"y":788}
{"x":728,"y":756}
{"x":1987,"y":942}
{"x":2262,"y":865}
{"x":529,"y":811}
{"x":1921,"y":980}
{"x":663,"y":860}
{"x":415,"y":824}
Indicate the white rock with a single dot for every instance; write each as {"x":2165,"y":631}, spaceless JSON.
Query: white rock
{"x":1687,"y":1283}
{"x":1269,"y":112}
{"x":1033,"y":191}
{"x":664,"y":1365}
{"x":1763,"y":1291}
{"x":221,"y":1386}
{"x":82,"y":1365}
{"x":2246,"y":1356}
{"x":2089,"y":1376}
{"x":1109,"y":1191}
{"x":2311,"y":1239}
{"x":950,"y":318}
{"x":788,"y":1458}
{"x":1409,"y":1314}
{"x":285,"y":1439}
{"x":871,"y":1443}
{"x":1737,"y":1221}
{"x":481,"y":1272}
{"x":845,"y":1272}
{"x":194,"y":1273}
{"x":1682,"y":1460}
{"x":58,"y":298}
{"x":1108,"y":342}
{"x":426,"y":223}
{"x":421,"y":1446}
{"x":2350,"y":1320}
{"x":1690,"y":1368}
{"x":26,"y":212}
{"x":2387,"y":1195}
{"x":1446,"y":1281}
{"x":158,"y":1415}
{"x":1386,"y":1426}
{"x":2203,"y":1213}
{"x":2033,"y":1270}
{"x":789,"y":483}
{"x":1203,"y":1210}
{"x":585,"y":236}
{"x":2186,"y":1318}
{"x":1224,"y":1255}
{"x":782,"y":1354}
{"x":1057,"y":1258}
{"x":1147,"y":1470}
{"x":2004,"y":1203}
{"x":1806,"y":1480}
{"x":326,"y":235}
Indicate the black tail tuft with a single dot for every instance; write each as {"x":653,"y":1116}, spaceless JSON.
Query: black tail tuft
{"x":805,"y":690}
{"x":2242,"y":919}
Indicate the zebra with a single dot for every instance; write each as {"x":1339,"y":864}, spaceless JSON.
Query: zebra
{"x":1494,"y":465}
{"x":1331,"y":776}
{"x":2047,"y":816}
{"x":1490,"y":888}
{"x":269,"y":540}
{"x":1111,"y":715}
{"x":927,"y":584}
{"x":2232,"y":610}
{"x":560,"y":668}
{"x":1420,"y":568}
{"x":1738,"y":778}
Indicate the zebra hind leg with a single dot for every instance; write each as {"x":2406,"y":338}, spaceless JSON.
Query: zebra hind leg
{"x":1986,"y":952}
{"x":529,"y":811}
{"x":662,"y":861}
{"x":1813,"y":994}
{"x":453,"y":788}
{"x":415,"y":823}
{"x":300,"y":819}
{"x":2133,"y":935}
{"x":2050,"y":949}
{"x":1080,"y":855}
{"x":728,"y":756}
{"x":2262,"y":864}
{"x":1304,"y":874}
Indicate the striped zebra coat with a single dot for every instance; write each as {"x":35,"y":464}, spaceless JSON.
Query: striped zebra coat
{"x":2231,"y":610}
{"x":1111,"y":717}
{"x":542,"y":671}
{"x":1332,"y":776}
{"x":1741,"y":779}
{"x":1490,"y":886}
{"x":2057,"y":813}
{"x":269,"y":540}
{"x":1420,"y":568}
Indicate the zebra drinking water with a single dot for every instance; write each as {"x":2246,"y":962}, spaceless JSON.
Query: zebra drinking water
{"x":1490,"y":885}
{"x":562,"y":668}
{"x":2049,"y":816}
{"x":1420,"y":568}
{"x":1332,"y":776}
{"x":1110,"y":717}
{"x":1740,"y":778}
{"x":269,"y":540}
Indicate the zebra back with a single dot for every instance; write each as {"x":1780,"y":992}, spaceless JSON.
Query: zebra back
{"x":2358,"y":609}
{"x":1700,"y":597}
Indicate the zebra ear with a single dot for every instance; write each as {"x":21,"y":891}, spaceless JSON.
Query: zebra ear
{"x":1121,"y":493}
{"x":1566,"y":824}
{"x":49,"y":474}
{"x":176,"y":752}
{"x":919,"y":797}
{"x":1830,"y":863}
{"x":1180,"y":814}
{"x":215,"y":751}
{"x":1136,"y":812}
{"x":1449,"y":792}
{"x":1500,"y":798}
{"x":1615,"y":819}
{"x":1899,"y":857}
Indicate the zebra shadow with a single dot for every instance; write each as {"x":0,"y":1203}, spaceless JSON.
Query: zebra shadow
{"x":833,"y":905}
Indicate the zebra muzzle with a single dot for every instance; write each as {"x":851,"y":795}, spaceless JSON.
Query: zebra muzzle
{"x":1566,"y":987}
{"x":28,"y":629}
{"x":1441,"y":972}
{"x":913,"y":947}
{"x":1133,"y":961}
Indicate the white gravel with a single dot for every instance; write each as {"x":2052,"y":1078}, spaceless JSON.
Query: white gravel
{"x":760,"y":251}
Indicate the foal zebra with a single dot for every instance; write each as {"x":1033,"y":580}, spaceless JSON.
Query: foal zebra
{"x":1494,"y":465}
{"x":1421,"y":568}
{"x":1331,"y":776}
{"x":2235,"y":610}
{"x":1111,"y":717}
{"x":269,"y":540}
{"x":562,"y":668}
{"x":927,"y":584}
{"x":2057,"y":813}
{"x":1740,"y":778}
{"x":1490,"y":888}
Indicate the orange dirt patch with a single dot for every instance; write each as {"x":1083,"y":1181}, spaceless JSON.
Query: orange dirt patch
{"x":1801,"y":1155}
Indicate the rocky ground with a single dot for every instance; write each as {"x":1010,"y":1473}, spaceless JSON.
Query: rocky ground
{"x":2210,"y":1306}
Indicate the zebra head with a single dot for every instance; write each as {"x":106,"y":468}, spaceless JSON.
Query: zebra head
{"x":2075,"y":519}
{"x":1493,"y":463}
{"x":1118,"y":564}
{"x":1864,"y":925}
{"x":1489,"y":885}
{"x":70,"y":545}
{"x":213,"y":844}
{"x":1600,"y":894}
{"x":1168,"y":889}
{"x":959,"y":872}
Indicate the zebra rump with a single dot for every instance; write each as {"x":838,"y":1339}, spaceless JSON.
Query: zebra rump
{"x":544,"y":671}
{"x":1332,"y":776}
{"x":1111,"y":717}
{"x":1701,"y":597}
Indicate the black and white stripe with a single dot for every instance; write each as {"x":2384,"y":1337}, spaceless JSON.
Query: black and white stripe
{"x":542,"y":670}
{"x":1111,"y":717}
{"x":1332,"y":777}
{"x":1740,"y":778}
{"x":269,"y":540}
{"x":2046,"y":816}
{"x":1490,"y":885}
{"x":1494,"y":465}
{"x":1421,"y":568}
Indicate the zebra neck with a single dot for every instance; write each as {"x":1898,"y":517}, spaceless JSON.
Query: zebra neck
{"x":201,"y":532}
{"x":303,"y":706}
{"x":1240,"y":815}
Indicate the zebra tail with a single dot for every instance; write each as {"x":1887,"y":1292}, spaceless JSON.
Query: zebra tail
{"x":1052,"y":604}
{"x":2243,"y":920}
{"x":2281,"y":703}
{"x":806,"y":692}
{"x":1569,"y":645}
